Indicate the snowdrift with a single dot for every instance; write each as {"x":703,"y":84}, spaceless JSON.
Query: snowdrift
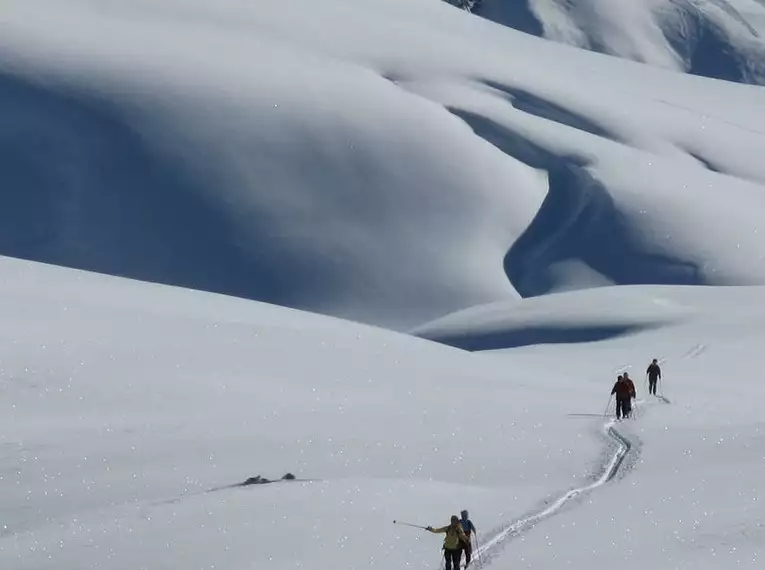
{"x":594,"y":315}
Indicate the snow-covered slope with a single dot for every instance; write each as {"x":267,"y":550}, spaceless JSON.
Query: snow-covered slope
{"x":384,"y":161}
{"x":123,"y":403}
{"x":722,"y":39}
{"x":692,"y":499}
{"x":388,"y":161}
{"x":222,"y":147}
{"x":130,"y":411}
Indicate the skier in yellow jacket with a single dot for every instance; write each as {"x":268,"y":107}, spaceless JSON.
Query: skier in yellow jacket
{"x":453,"y":543}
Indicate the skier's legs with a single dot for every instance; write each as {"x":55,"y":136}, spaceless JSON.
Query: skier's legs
{"x":452,"y":558}
{"x":623,"y":408}
{"x":468,"y":553}
{"x":457,"y":557}
{"x":652,"y":386}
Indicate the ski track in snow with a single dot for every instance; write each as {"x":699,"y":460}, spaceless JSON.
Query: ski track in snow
{"x":484,"y":553}
{"x":487,"y":550}
{"x":696,"y":351}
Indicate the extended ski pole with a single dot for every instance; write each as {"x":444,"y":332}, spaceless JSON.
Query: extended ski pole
{"x":410,"y":524}
{"x":608,"y":405}
{"x":478,"y":549}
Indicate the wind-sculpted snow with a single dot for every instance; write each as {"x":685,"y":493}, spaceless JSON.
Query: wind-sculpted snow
{"x":722,"y":39}
{"x":561,"y":318}
{"x":263,"y":200}
{"x":592,"y":315}
{"x":599,"y":224}
{"x":392,"y":161}
{"x":296,"y":154}
{"x":580,"y":237}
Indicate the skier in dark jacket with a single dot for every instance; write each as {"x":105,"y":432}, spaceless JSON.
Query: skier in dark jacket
{"x":654,"y":375}
{"x":625,"y":391}
{"x":469,"y":529}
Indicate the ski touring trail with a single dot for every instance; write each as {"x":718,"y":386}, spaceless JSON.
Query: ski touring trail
{"x":486,"y":550}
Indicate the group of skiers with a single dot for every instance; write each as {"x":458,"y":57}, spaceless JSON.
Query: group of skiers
{"x":624,"y":389}
{"x":458,"y":540}
{"x":460,"y":531}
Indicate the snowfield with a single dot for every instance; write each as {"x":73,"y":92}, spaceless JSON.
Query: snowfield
{"x":197,"y":195}
{"x":123,"y":403}
{"x":693,"y":498}
{"x":128,"y":409}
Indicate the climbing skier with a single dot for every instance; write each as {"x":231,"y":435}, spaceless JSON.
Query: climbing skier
{"x":631,"y":385}
{"x":469,"y":529}
{"x":654,"y":375}
{"x":625,"y":391}
{"x":453,"y":542}
{"x":633,"y":393}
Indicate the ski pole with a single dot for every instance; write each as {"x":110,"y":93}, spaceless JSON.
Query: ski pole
{"x":608,"y":405}
{"x":410,"y":524}
{"x":478,"y":549}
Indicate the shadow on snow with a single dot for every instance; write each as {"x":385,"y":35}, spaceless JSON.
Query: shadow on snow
{"x":577,"y":222}
{"x":82,"y":189}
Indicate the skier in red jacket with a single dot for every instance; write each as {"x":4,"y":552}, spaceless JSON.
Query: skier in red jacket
{"x":625,"y":391}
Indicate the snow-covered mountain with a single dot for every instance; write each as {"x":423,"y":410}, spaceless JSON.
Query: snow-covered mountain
{"x":723,"y":39}
{"x":551,"y":216}
{"x":298,"y":155}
